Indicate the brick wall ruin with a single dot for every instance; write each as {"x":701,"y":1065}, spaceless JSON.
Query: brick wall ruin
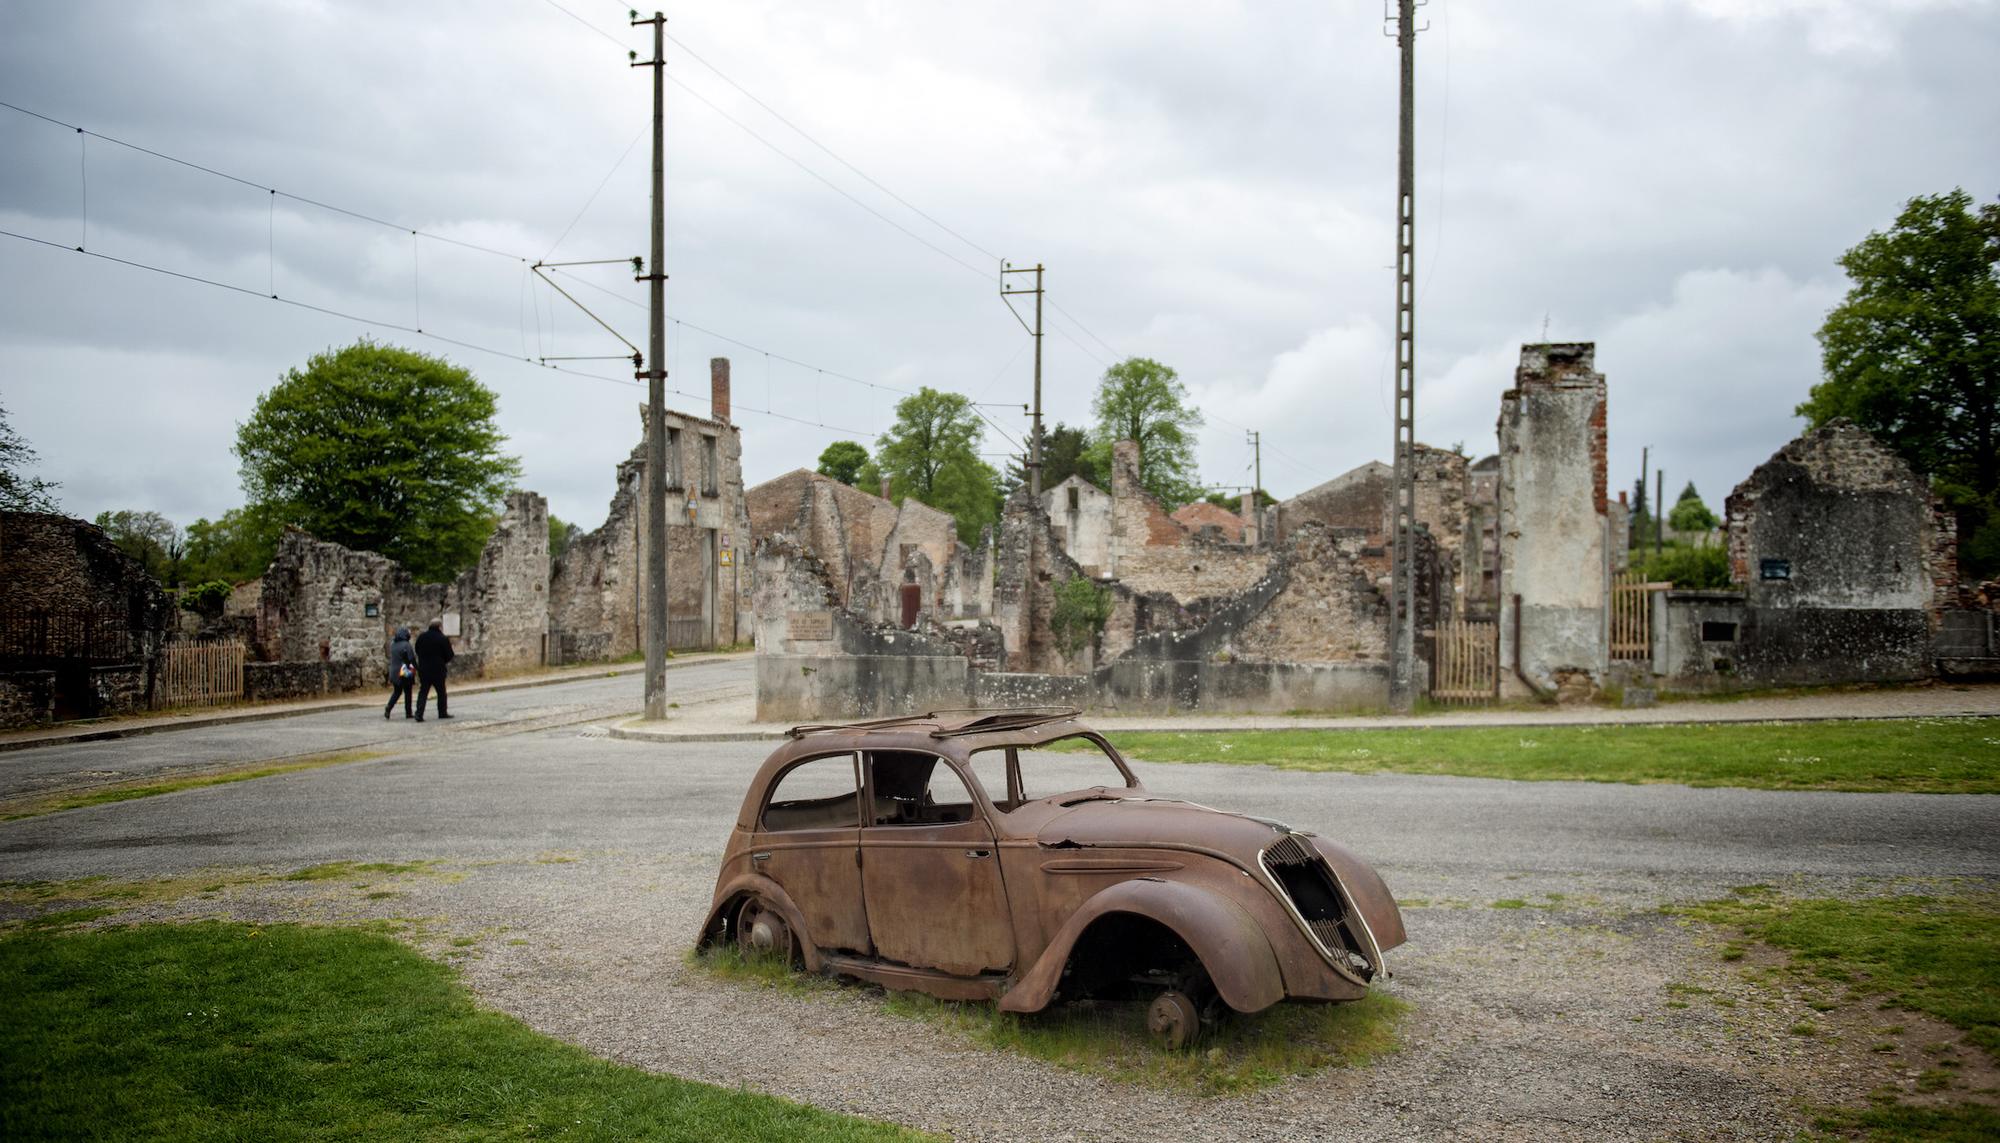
{"x":1554,"y":578}
{"x":1152,"y":553}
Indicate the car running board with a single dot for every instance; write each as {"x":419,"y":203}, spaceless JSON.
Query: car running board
{"x":904,"y":978}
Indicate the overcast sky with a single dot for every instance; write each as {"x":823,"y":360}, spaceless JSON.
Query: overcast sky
{"x":1210,"y":184}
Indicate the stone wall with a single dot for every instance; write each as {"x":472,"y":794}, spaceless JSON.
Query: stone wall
{"x":1554,"y":577}
{"x":1152,"y":553}
{"x":81,"y":623}
{"x":322,"y":602}
{"x":1358,"y":498}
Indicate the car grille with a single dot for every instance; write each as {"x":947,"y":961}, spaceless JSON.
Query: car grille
{"x":1310,"y":887}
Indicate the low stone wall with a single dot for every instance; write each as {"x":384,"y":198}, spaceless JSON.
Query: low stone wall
{"x":1165,"y":686}
{"x":27,"y":698}
{"x":797,"y":688}
{"x":309,"y":678}
{"x":1717,"y":641}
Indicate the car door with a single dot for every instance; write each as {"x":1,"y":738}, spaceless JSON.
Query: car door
{"x":808,"y":841}
{"x":930,"y":871}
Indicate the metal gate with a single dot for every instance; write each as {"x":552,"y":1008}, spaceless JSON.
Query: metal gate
{"x":1632,"y":615}
{"x":1467,"y":661}
{"x":204,"y":673}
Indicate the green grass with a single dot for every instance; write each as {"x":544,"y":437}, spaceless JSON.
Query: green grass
{"x":126,"y":791}
{"x":286,"y":1032}
{"x":1935,"y":755}
{"x":333,"y":870}
{"x":1934,"y":954}
{"x":1241,"y":1053}
{"x":1904,"y":1123}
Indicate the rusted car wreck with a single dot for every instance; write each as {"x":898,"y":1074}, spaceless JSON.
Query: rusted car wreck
{"x":1011,"y":855}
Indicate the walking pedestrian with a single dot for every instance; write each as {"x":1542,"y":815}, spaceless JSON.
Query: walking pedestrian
{"x":402,"y":672}
{"x":433,"y":652}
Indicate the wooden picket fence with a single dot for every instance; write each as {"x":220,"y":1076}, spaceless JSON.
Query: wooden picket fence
{"x":1467,"y":666}
{"x":206,"y":673}
{"x":1632,"y":615}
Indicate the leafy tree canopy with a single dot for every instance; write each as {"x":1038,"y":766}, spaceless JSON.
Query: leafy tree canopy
{"x":843,"y":461}
{"x":234,"y":548}
{"x":1065,"y":453}
{"x":932,"y":453}
{"x":383,"y":449}
{"x":152,"y":539}
{"x":1234,"y":501}
{"x":1141,"y":400}
{"x":561,"y":535}
{"x":20,"y":492}
{"x":1913,"y":352}
{"x":1689,"y":514}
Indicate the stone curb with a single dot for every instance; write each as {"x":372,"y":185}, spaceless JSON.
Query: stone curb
{"x":104,"y":733}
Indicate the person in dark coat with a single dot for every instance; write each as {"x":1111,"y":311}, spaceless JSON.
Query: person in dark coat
{"x":403,"y":673}
{"x":433,"y":652}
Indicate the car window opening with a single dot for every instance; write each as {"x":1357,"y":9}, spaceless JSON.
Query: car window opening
{"x":819,"y":793}
{"x":1075,"y":764}
{"x":913,"y":788}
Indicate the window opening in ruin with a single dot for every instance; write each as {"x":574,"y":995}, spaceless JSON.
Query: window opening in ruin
{"x":1073,"y":497}
{"x":707,"y":465}
{"x":673,"y":457}
{"x":1774,"y":569}
{"x":819,"y":793}
{"x":1714,"y":631}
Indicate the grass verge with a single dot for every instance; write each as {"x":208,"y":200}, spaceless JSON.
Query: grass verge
{"x":1932,"y":755}
{"x":126,"y":791}
{"x":228,"y":1031}
{"x":1241,"y":1053}
{"x":1938,"y":955}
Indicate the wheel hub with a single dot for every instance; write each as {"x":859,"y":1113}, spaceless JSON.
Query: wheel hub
{"x":1173,"y":1019}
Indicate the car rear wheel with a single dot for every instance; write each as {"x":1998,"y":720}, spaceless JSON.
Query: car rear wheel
{"x":761,"y":931}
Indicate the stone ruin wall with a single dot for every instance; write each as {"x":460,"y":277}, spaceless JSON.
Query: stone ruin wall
{"x":1152,"y":553}
{"x":1552,"y":516}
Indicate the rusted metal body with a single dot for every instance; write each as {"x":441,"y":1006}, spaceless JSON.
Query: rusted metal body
{"x":944,"y":869}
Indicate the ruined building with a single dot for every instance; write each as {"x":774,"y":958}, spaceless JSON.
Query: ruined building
{"x":597,"y":606}
{"x":81,"y":623}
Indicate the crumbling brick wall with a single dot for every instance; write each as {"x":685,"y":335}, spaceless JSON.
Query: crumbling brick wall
{"x":1152,"y":552}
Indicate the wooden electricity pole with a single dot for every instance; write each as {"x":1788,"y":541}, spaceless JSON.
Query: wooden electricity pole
{"x":1402,"y":566}
{"x":656,"y":397}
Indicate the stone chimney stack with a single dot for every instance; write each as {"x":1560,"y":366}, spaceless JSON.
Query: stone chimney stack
{"x":885,"y":488}
{"x":1124,"y":468}
{"x":718,"y":388}
{"x":1250,"y":529}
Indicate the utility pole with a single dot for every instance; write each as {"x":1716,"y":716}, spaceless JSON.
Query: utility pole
{"x":1659,"y":510}
{"x":1035,"y":428}
{"x":1402,"y":566}
{"x":656,"y":396}
{"x":1645,"y":465}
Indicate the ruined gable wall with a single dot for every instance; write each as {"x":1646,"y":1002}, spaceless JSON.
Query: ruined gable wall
{"x":1552,"y":513}
{"x":1085,"y":531}
{"x":504,"y":599}
{"x":1857,"y":526}
{"x":1201,"y":514}
{"x":918,"y":527}
{"x":595,"y":589}
{"x":317,"y":594}
{"x":1358,"y":498}
{"x":1329,"y":609}
{"x":1151,"y":552}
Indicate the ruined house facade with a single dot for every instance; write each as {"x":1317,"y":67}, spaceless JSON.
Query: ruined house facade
{"x":597,"y":590}
{"x":1081,"y":515}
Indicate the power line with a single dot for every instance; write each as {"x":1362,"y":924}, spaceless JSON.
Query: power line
{"x":397,"y":326}
{"x":602,"y":183}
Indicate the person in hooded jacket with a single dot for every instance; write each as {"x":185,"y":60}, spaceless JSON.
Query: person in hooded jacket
{"x":433,"y":652}
{"x":402,"y":672}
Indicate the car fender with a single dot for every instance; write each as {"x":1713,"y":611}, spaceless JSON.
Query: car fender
{"x":744,"y":884}
{"x":1366,"y":889}
{"x":1232,"y":946}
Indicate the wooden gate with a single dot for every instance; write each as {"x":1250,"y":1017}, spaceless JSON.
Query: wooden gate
{"x":206,"y":673}
{"x":1632,"y":615}
{"x":1467,"y":667}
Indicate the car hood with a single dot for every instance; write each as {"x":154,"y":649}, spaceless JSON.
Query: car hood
{"x":1141,"y":820}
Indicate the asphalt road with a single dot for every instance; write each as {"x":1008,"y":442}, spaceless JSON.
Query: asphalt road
{"x":475,"y":714}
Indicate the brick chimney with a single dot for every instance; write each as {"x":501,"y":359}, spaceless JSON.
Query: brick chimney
{"x":718,"y":388}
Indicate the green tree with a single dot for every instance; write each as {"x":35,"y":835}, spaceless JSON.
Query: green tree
{"x":561,"y":535}
{"x":843,"y":461}
{"x":383,"y":449}
{"x":1141,"y":400}
{"x":236,"y":547}
{"x":1912,"y":354}
{"x":932,"y":453}
{"x":1234,"y":501}
{"x":1689,"y":514}
{"x":1065,"y":453}
{"x":152,"y":539}
{"x":20,"y":492}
